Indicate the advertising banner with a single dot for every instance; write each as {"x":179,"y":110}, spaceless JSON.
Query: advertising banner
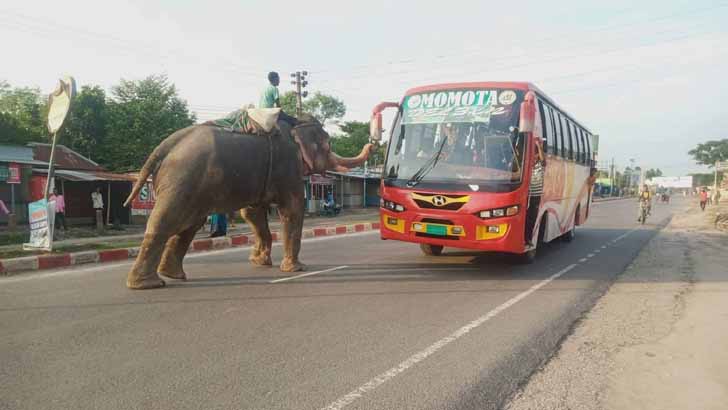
{"x":13,"y":174}
{"x":41,"y":215}
{"x":144,"y":202}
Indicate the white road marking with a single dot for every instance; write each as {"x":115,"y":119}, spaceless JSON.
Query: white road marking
{"x":604,"y":246}
{"x":25,"y":276}
{"x":620,"y":237}
{"x":303,"y":275}
{"x":590,"y":255}
{"x":596,"y":251}
{"x":582,"y":260}
{"x":432,"y":349}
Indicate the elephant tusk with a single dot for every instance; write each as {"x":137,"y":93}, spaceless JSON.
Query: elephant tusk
{"x":350,"y":162}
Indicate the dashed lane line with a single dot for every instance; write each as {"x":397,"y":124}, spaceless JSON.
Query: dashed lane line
{"x":303,"y":275}
{"x":390,"y":374}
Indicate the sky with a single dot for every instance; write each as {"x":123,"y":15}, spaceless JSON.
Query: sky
{"x":649,"y":77}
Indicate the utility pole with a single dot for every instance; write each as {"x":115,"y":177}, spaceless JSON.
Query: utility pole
{"x":300,"y":81}
{"x":613,"y":175}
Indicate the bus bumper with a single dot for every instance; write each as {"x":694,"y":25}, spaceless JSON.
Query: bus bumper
{"x":454,"y":230}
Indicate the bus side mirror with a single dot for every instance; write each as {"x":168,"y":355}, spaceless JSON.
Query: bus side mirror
{"x":375,"y":124}
{"x":527,"y":119}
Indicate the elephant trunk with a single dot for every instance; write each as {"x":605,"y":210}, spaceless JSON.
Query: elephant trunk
{"x":343,"y":163}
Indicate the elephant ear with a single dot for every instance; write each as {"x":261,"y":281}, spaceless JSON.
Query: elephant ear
{"x":307,"y":149}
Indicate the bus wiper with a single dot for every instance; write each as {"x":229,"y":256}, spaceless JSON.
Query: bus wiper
{"x":426,"y":167}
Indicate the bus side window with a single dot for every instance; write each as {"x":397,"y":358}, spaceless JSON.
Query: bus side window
{"x":577,"y":142}
{"x":544,"y":130}
{"x":552,"y":129}
{"x":560,"y":133}
{"x":588,"y":149}
{"x":583,"y":146}
{"x":566,"y":137}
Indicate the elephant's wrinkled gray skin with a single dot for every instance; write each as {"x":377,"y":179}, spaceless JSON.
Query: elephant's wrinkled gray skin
{"x":204,"y":169}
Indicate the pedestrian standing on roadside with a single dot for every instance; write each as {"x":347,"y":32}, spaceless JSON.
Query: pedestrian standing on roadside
{"x":3,"y":208}
{"x":703,"y":199}
{"x":60,"y":209}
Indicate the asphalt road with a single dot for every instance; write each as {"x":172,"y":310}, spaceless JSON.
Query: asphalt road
{"x":383,"y":327}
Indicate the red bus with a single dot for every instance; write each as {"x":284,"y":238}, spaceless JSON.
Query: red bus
{"x":490,"y":166}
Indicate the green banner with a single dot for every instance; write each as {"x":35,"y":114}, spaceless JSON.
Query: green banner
{"x":456,"y":106}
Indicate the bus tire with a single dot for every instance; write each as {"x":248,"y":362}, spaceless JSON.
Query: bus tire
{"x":526,"y":258}
{"x":431,"y":250}
{"x":529,"y":257}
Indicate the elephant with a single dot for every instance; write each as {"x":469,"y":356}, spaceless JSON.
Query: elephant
{"x":203,"y":169}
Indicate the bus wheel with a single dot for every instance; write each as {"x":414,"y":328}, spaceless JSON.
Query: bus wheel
{"x":431,"y":250}
{"x":526,"y":258}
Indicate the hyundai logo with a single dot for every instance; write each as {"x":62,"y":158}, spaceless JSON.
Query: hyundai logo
{"x":438,"y":200}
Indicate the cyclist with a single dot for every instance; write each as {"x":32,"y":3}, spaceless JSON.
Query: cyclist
{"x":645,"y":200}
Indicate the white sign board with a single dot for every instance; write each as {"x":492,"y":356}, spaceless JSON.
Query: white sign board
{"x":42,"y":215}
{"x":672,"y":182}
{"x":59,"y":103}
{"x":721,"y":166}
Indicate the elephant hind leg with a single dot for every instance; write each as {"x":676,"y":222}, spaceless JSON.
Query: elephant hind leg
{"x":257,"y":218}
{"x":175,"y":251}
{"x":143,"y":275}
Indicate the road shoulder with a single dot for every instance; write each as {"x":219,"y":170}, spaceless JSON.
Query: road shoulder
{"x":656,"y":339}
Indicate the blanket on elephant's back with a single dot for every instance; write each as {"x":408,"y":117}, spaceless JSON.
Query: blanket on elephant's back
{"x":248,"y":121}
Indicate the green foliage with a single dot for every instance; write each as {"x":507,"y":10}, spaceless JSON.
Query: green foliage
{"x":85,"y":127}
{"x":706,"y":179}
{"x":288,"y":102}
{"x":651,"y":173}
{"x":324,"y":107}
{"x":140,"y":115}
{"x":350,"y":144}
{"x":710,"y":152}
{"x":22,"y":115}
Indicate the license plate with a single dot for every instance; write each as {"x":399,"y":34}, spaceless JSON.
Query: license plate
{"x":437,"y":230}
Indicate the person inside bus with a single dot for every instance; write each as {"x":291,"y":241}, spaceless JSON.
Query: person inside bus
{"x":455,"y":150}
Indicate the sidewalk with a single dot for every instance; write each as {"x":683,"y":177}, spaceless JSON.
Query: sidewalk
{"x":117,"y":248}
{"x":658,"y":337}
{"x":348,"y":216}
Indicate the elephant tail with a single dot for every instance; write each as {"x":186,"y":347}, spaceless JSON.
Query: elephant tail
{"x":153,"y":162}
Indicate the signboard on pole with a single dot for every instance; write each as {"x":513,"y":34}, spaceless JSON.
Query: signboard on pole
{"x":144,"y":202}
{"x":13,"y":174}
{"x":41,"y":215}
{"x":721,"y":166}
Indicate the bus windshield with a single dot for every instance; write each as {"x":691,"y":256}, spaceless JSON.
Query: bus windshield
{"x":460,"y":137}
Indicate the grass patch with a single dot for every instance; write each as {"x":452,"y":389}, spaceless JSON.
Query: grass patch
{"x":18,"y":253}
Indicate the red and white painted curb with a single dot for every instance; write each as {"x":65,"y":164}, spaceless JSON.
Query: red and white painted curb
{"x":60,"y":260}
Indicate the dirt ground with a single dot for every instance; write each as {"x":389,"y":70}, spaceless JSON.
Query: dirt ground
{"x":658,"y":339}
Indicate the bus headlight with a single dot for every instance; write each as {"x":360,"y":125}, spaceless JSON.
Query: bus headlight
{"x":499,"y":212}
{"x":392,"y":206}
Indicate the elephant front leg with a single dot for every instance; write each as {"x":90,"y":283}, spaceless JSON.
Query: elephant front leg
{"x":143,"y":275}
{"x":175,"y":251}
{"x":257,"y":218}
{"x":292,"y":220}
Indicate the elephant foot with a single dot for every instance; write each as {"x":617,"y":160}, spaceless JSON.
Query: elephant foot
{"x":261,"y":260}
{"x":151,"y":282}
{"x":291,"y":266}
{"x":179,"y":275}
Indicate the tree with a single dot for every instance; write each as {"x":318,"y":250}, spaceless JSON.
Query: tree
{"x":11,"y":132}
{"x":85,"y":129}
{"x":24,"y":111}
{"x":710,"y":152}
{"x":140,"y":115}
{"x":651,"y":173}
{"x":324,"y":107}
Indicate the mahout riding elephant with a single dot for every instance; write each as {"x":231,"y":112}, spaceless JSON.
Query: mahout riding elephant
{"x":204,"y":169}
